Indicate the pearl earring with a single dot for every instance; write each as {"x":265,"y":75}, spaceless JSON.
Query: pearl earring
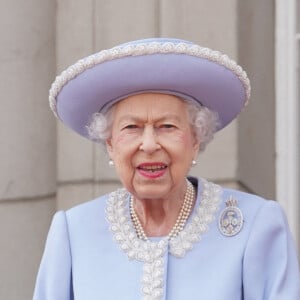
{"x":111,"y":163}
{"x":194,"y":162}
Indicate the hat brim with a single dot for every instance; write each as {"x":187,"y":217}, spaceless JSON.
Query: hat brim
{"x":191,"y":77}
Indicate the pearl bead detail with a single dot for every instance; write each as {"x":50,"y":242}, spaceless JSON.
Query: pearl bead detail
{"x":182,"y":218}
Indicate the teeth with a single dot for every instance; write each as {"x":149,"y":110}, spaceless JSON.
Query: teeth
{"x":153,"y":168}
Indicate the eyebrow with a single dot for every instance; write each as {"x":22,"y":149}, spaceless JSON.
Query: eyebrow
{"x":139,"y":119}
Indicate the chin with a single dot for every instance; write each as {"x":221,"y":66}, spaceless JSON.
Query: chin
{"x":152,"y":190}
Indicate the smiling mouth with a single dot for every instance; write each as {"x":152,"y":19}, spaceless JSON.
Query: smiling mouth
{"x":152,"y":167}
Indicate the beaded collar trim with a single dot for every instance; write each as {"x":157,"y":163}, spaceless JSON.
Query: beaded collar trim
{"x":145,"y":49}
{"x":151,"y":253}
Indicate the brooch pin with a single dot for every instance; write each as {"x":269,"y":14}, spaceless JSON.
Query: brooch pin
{"x":231,"y":219}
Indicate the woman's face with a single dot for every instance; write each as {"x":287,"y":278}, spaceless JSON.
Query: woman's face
{"x":152,"y":145}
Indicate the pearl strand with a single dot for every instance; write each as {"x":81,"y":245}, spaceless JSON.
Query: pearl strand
{"x":184,"y":214}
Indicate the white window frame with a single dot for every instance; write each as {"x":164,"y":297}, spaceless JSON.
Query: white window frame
{"x":287,"y":113}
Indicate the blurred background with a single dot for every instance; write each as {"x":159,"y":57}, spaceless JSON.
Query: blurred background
{"x":44,"y":167}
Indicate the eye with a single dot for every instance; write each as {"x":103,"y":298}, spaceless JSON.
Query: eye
{"x":167,"y":126}
{"x":130,"y":126}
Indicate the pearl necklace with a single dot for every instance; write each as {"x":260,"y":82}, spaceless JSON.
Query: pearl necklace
{"x":184,"y":213}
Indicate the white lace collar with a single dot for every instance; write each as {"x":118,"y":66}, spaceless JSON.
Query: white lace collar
{"x":151,"y":252}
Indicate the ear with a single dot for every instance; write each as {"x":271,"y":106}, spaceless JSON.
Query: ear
{"x":109,"y":147}
{"x":195,"y":142}
{"x":196,"y":148}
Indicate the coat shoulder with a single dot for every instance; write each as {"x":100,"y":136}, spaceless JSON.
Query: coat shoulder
{"x":87,"y":210}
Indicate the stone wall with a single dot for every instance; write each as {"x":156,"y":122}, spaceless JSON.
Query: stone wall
{"x":256,"y":130}
{"x":28,"y":141}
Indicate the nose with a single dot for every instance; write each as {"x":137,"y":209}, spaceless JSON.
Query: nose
{"x":149,"y":141}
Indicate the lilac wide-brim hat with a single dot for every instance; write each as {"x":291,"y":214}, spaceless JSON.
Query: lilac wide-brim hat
{"x":157,"y":65}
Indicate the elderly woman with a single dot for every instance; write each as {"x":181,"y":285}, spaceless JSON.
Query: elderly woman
{"x":155,"y":104}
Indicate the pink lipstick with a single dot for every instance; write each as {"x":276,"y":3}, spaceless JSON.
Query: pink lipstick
{"x":152,"y":170}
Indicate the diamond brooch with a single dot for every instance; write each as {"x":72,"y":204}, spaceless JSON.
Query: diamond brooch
{"x":231,"y":219}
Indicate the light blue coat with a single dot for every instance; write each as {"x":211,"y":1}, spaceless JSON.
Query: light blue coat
{"x":83,"y":262}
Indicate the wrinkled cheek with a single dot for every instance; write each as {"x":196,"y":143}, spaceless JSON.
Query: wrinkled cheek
{"x":124,"y":140}
{"x":124,"y":150}
{"x":119,"y":139}
{"x":183,"y":138}
{"x":124,"y":169}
